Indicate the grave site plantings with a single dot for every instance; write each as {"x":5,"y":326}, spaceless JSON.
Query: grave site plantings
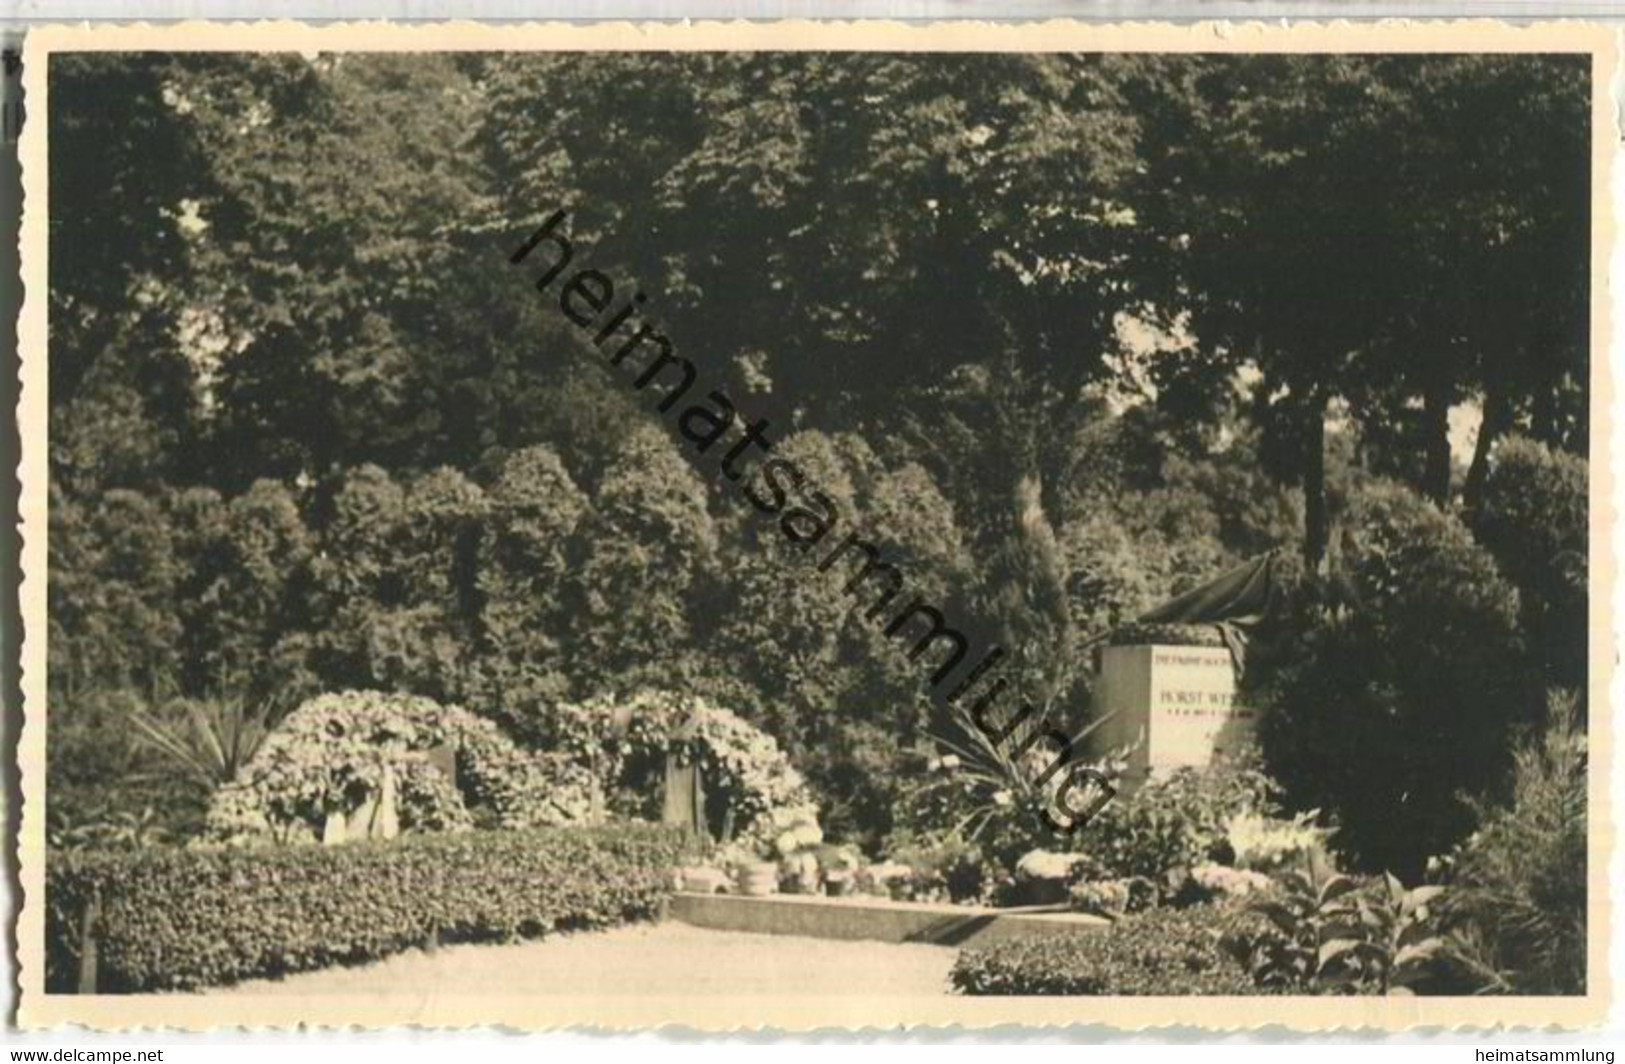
{"x":1295,"y":933}
{"x":1179,"y":821}
{"x":178,"y":919}
{"x":1210,"y":894}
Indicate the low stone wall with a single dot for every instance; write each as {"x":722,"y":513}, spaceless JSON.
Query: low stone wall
{"x":875,"y":919}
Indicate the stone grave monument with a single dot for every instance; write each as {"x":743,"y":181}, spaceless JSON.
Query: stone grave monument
{"x":1176,"y":704}
{"x":1167,"y":683}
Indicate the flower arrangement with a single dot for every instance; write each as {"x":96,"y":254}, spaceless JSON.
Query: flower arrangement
{"x":1042,"y":877}
{"x":1268,"y":844}
{"x":796,"y":846}
{"x":741,"y":764}
{"x":841,"y":867}
{"x":732,"y":855}
{"x":800,"y":829}
{"x":331,"y":753}
{"x":1043,"y":864}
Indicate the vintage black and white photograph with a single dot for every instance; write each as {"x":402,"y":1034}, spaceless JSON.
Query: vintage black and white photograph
{"x":879,"y":524}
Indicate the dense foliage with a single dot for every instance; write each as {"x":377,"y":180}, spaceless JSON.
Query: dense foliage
{"x":177,"y":919}
{"x":1178,"y":821}
{"x":1338,"y":935}
{"x":1388,"y":706}
{"x":1534,"y":519}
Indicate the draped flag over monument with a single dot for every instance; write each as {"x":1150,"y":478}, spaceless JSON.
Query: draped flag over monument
{"x":1235,"y":601}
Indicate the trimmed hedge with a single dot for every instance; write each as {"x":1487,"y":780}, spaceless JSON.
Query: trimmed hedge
{"x":1155,"y":952}
{"x":175,"y":919}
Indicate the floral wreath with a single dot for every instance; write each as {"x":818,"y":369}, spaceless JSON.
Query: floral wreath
{"x":739,"y":763}
{"x":331,"y":754}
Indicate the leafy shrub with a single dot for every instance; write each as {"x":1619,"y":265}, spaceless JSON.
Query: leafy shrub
{"x":982,"y":795}
{"x":1520,"y":880}
{"x":1533,"y":519}
{"x":1342,"y":936}
{"x":108,"y":828}
{"x":1171,"y":822}
{"x":399,"y":574}
{"x":174,"y":919}
{"x":1393,"y":703}
{"x":1159,"y":951}
{"x":99,"y":773}
{"x":524,"y":562}
{"x":330,"y":754}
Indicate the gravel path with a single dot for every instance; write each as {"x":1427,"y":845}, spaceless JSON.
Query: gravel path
{"x":668,"y":958}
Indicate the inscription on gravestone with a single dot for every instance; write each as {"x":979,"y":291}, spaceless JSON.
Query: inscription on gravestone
{"x":1179,"y":703}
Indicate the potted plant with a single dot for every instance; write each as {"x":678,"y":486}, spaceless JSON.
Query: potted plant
{"x":757,"y":879}
{"x":1044,"y":878}
{"x":799,"y":873}
{"x":892,"y":879}
{"x":839,"y":865}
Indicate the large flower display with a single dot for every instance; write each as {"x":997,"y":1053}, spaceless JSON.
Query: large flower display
{"x":331,"y":755}
{"x":753,"y":793}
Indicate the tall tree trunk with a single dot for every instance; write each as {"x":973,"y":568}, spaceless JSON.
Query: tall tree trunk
{"x":1031,"y":520}
{"x":1436,"y":440}
{"x":1316,"y":524}
{"x":1497,"y":419}
{"x":1035,"y":618}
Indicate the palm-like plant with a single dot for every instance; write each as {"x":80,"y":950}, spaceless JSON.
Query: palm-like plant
{"x":209,"y":739}
{"x":1002,"y":775}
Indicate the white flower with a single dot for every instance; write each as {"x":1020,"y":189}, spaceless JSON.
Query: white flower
{"x":1232,"y":881}
{"x":1265,"y":844}
{"x":1043,"y":864}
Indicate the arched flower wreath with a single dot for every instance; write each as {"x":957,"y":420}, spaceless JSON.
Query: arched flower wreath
{"x":329,"y":755}
{"x":753,"y":794}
